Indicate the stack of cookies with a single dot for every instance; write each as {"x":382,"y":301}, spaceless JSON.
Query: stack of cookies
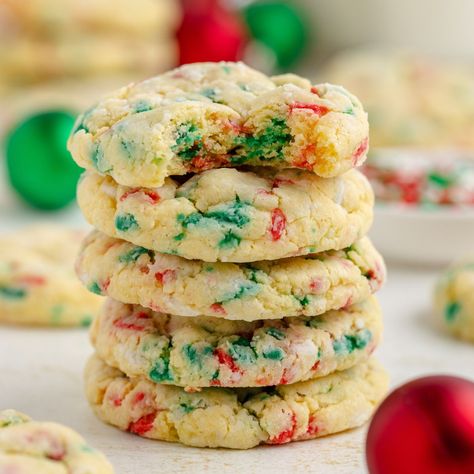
{"x":231,"y":244}
{"x":52,"y":39}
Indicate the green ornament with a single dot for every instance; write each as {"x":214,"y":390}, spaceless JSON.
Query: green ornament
{"x":280,"y":27}
{"x":39,"y":166}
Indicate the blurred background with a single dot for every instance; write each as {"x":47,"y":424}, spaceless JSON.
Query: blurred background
{"x":410,"y":63}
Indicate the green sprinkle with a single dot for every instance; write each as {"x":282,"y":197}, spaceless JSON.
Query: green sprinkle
{"x":241,"y":351}
{"x":209,"y":93}
{"x":248,"y":288}
{"x":268,"y":145}
{"x":190,"y":219}
{"x":234,"y":214}
{"x":451,"y":311}
{"x":274,"y":354}
{"x":125,"y":222}
{"x":440,"y":180}
{"x":276,"y":333}
{"x":348,"y":344}
{"x":86,"y":321}
{"x":97,"y":156}
{"x":190,"y":353}
{"x":128,"y":147}
{"x":133,"y":255}
{"x":188,"y":141}
{"x":142,"y":106}
{"x":187,"y":408}
{"x":87,"y":449}
{"x":226,"y":69}
{"x":230,"y":240}
{"x":303,"y":300}
{"x":161,"y":370}
{"x":179,"y":237}
{"x":95,"y":288}
{"x":12,"y":293}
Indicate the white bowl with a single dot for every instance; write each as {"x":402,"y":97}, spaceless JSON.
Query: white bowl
{"x":415,"y":235}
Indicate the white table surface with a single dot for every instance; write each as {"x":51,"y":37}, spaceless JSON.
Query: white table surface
{"x":41,"y":375}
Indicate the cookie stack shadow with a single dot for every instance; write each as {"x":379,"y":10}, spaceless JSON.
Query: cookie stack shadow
{"x":240,"y":304}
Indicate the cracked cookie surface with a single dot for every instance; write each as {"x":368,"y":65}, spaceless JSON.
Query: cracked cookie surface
{"x":213,"y":115}
{"x":231,"y":215}
{"x":209,"y":352}
{"x":298,"y":286}
{"x":235,"y":418}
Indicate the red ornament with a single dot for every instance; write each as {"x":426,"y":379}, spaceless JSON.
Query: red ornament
{"x":210,"y":32}
{"x":424,"y":427}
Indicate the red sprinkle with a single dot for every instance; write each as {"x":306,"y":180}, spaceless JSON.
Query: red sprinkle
{"x":117,"y":401}
{"x":57,"y":456}
{"x":122,"y":324}
{"x":204,"y":163}
{"x":215,"y":383}
{"x":319,"y":110}
{"x":142,"y":425}
{"x":145,"y":270}
{"x":142,"y":315}
{"x":278,"y":224}
{"x":371,"y":274}
{"x":33,"y":280}
{"x":151,"y":196}
{"x":106,"y":285}
{"x":165,"y":276}
{"x":286,"y":435}
{"x":278,"y":181}
{"x":314,"y":90}
{"x":312,"y":426}
{"x":360,"y":151}
{"x":284,"y":378}
{"x":218,"y":308}
{"x":316,"y":285}
{"x":303,"y":162}
{"x":226,"y":359}
{"x":139,"y":396}
{"x":315,"y":365}
{"x":262,"y":381}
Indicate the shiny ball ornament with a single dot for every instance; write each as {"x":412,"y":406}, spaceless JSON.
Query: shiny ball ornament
{"x":279,"y":27}
{"x":210,"y":32}
{"x":39,"y":166}
{"x":424,"y":427}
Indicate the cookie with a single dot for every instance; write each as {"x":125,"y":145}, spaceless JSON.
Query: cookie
{"x":37,"y":281}
{"x":234,"y":216}
{"x":25,"y":61}
{"x":208,"y":352}
{"x":28,"y":446}
{"x":412,"y":100}
{"x":214,"y":115}
{"x":61,"y":18}
{"x":296,"y":286}
{"x":235,"y":418}
{"x":454,"y":300}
